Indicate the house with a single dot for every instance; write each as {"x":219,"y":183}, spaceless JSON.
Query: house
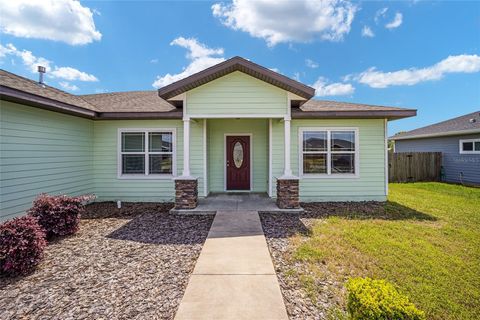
{"x":457,"y":139}
{"x":236,"y":126}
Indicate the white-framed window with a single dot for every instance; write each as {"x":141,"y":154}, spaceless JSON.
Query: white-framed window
{"x":329,"y":152}
{"x":469,"y":146}
{"x":146,"y":153}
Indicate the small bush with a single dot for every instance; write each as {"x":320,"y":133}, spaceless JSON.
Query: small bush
{"x":379,"y":300}
{"x":22,"y":242}
{"x":58,"y":215}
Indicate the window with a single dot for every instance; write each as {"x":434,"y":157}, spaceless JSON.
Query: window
{"x":470,"y":146}
{"x":328,"y":152}
{"x":146,"y":153}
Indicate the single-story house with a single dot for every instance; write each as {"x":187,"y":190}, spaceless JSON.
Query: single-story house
{"x":457,"y":139}
{"x":234,"y":127}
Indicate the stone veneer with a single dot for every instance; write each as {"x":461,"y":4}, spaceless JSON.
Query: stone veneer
{"x":186,"y":193}
{"x":288,"y":193}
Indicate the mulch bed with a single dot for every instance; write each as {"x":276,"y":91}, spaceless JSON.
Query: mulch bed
{"x":129,"y":263}
{"x":278,"y":229}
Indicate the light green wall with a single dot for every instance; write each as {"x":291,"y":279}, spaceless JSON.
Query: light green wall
{"x":370,"y":185}
{"x":106,"y":184}
{"x":217,"y":128}
{"x":237,"y":93}
{"x":42,"y":152}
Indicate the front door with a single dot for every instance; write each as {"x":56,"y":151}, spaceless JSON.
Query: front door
{"x":238,"y":162}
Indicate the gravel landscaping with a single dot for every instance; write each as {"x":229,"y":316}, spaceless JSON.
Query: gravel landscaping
{"x":284,"y":232}
{"x":129,"y":263}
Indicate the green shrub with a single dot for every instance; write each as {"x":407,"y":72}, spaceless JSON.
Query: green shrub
{"x":379,"y":300}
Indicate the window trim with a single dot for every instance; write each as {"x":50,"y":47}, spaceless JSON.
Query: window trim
{"x":145,"y":176}
{"x":460,"y":146}
{"x":329,"y":175}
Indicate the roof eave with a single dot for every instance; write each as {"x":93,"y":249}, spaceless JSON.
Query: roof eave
{"x":369,"y":114}
{"x":438,"y":134}
{"x":18,"y":96}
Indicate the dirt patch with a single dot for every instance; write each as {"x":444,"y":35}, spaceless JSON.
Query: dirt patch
{"x":129,"y":263}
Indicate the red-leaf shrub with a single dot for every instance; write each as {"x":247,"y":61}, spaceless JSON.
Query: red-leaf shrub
{"x":59,"y":215}
{"x":22,"y":242}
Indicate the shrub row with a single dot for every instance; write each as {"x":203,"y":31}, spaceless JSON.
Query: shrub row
{"x":23,"y":239}
{"x":379,"y":300}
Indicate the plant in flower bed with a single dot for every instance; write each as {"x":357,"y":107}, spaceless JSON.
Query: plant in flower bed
{"x":22,"y":242}
{"x":59,"y":215}
{"x":378,"y":300}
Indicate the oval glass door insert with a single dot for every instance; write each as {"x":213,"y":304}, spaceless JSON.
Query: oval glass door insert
{"x":238,"y":154}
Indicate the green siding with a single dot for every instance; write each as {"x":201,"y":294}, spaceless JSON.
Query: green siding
{"x":216,"y":150}
{"x":42,"y":151}
{"x":370,"y":185}
{"x":237,"y":93}
{"x":107,"y":185}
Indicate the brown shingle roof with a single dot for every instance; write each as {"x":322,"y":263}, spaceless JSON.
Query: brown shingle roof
{"x":469,"y":123}
{"x":335,"y":109}
{"x":13,"y":81}
{"x":130,"y":101}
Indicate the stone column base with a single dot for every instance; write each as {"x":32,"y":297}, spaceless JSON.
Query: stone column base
{"x":186,"y":193}
{"x":288,"y":193}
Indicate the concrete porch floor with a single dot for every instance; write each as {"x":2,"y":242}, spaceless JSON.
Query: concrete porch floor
{"x":214,"y":202}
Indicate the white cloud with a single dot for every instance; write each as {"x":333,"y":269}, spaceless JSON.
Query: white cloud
{"x":72,"y":74}
{"x":453,"y":64}
{"x":296,"y":76}
{"x":201,"y":57}
{"x":323,"y":88}
{"x":275,"y":70}
{"x":311,"y":64}
{"x":32,"y":62}
{"x":59,"y":20}
{"x":154,"y":61}
{"x":279,"y":21}
{"x":27,"y":58}
{"x":396,"y":22}
{"x":67,"y":86}
{"x":380,"y":14}
{"x":367,"y":32}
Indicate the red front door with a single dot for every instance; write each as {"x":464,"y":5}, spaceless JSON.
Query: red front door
{"x":238,"y":162}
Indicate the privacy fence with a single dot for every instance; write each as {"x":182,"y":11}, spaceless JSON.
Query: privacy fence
{"x":414,"y":166}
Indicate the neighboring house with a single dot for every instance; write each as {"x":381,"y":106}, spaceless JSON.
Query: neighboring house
{"x":457,"y":139}
{"x":220,"y":130}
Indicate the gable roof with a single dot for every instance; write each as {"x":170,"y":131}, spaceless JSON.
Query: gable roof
{"x":229,"y":66}
{"x":335,"y":109}
{"x":149,"y":105}
{"x":466,"y":124}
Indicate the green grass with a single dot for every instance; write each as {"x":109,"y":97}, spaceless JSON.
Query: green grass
{"x":425,"y":240}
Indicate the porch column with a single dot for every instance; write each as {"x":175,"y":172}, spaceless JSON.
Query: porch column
{"x":186,"y":148}
{"x":287,"y":170}
{"x":186,"y":186}
{"x":288,"y":184}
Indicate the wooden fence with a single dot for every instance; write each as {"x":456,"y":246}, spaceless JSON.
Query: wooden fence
{"x":414,"y":166}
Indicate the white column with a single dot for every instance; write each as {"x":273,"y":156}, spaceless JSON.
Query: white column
{"x":288,"y":170}
{"x":186,"y":148}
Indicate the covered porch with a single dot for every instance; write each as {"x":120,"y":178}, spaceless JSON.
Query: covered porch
{"x":235,"y":156}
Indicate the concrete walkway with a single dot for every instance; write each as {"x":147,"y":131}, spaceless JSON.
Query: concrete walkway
{"x":234,"y":276}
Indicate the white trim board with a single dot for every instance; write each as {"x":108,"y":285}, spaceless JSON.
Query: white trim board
{"x":225,"y":135}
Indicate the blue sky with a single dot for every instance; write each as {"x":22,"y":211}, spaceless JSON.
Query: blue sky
{"x":419,"y":54}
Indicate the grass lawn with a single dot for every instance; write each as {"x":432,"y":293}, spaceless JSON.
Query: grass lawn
{"x":426,"y":242}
